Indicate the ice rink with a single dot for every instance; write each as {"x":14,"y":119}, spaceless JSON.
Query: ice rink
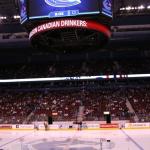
{"x":76,"y":140}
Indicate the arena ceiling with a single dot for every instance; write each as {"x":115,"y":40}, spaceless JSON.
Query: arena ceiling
{"x":8,"y":7}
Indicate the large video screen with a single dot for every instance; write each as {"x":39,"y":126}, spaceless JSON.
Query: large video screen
{"x":107,"y":7}
{"x":62,"y":8}
{"x":23,"y":11}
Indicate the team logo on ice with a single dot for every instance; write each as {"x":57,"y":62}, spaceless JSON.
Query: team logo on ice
{"x":62,"y":3}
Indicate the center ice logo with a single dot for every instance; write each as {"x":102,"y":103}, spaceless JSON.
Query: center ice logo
{"x":62,"y":3}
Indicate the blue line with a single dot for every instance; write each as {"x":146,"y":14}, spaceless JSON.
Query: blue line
{"x":14,"y":140}
{"x":140,"y":147}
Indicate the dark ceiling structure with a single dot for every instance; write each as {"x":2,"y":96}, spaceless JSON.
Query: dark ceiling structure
{"x":127,"y":25}
{"x":8,"y":7}
{"x":117,"y":4}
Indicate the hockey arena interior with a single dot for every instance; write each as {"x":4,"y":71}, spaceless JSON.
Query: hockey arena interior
{"x":74,"y":75}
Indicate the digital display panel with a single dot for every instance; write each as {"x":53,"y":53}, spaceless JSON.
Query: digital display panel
{"x":62,"y":8}
{"x":107,"y":7}
{"x":23,"y":11}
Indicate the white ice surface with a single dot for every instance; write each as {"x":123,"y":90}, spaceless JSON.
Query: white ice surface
{"x":76,"y":140}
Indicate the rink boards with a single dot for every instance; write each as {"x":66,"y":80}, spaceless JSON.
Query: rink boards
{"x":70,"y":127}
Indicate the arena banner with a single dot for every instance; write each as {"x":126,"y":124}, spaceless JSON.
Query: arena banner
{"x":23,"y":126}
{"x":70,"y":23}
{"x":113,"y":125}
{"x":53,"y":126}
{"x":137,"y":125}
{"x":92,"y":126}
{"x":42,"y":127}
{"x":65,"y":126}
{"x":5,"y":126}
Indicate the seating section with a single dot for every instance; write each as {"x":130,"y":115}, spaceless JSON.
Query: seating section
{"x":55,"y":69}
{"x":16,"y":106}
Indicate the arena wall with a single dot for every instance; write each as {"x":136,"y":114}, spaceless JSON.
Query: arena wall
{"x":95,"y":125}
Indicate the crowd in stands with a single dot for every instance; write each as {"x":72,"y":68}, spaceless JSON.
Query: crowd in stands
{"x":140,"y":101}
{"x":17,"y":106}
{"x":58,"y":69}
{"x":64,"y":99}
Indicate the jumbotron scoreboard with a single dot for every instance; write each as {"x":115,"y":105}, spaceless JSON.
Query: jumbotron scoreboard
{"x":68,"y":24}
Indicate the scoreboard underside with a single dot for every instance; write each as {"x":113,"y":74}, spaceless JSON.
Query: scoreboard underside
{"x":70,"y":40}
